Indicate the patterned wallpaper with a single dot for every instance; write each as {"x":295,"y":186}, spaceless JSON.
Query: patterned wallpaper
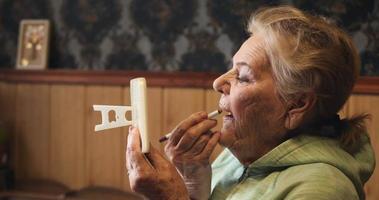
{"x":166,"y":35}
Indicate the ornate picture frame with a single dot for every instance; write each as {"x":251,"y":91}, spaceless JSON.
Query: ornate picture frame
{"x":33,"y":44}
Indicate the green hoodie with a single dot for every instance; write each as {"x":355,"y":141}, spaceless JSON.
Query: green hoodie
{"x":303,"y":167}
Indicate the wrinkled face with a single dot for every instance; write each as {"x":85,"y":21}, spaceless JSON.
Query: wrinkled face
{"x":254,"y":123}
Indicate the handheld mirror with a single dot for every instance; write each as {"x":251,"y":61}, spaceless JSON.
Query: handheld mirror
{"x":139,"y":113}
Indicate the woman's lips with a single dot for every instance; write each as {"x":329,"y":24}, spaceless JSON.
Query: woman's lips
{"x":228,"y":116}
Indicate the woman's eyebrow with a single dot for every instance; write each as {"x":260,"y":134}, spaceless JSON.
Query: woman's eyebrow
{"x":251,"y":70}
{"x":243,"y":64}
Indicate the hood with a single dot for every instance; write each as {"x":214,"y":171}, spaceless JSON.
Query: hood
{"x":306,"y":149}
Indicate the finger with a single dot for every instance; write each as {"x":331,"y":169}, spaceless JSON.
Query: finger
{"x":134,"y":157}
{"x":178,"y":132}
{"x":208,"y":149}
{"x":134,"y":141}
{"x":200,"y":144}
{"x":158,"y":161}
{"x":191,"y":136}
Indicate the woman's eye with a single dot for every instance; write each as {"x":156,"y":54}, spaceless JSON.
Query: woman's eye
{"x":242,"y":79}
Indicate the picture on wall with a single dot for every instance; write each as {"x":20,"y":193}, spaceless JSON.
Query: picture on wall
{"x":33,"y":44}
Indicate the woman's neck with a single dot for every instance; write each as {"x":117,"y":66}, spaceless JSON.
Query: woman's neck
{"x":248,"y":153}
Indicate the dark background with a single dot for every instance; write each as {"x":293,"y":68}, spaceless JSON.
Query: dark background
{"x":166,"y":35}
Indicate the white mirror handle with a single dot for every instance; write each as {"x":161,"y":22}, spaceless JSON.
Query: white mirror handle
{"x":119,"y":111}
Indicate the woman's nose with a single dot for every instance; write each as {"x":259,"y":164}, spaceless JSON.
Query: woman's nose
{"x":222,"y":84}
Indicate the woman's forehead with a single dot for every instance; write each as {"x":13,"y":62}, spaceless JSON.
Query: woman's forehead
{"x":251,"y":52}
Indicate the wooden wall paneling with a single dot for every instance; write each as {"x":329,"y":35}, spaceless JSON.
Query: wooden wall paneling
{"x":180,"y":103}
{"x":7,"y":105}
{"x":8,"y":116}
{"x":67,"y":140}
{"x":155,"y":105}
{"x":369,"y":104}
{"x":3,"y":95}
{"x":3,"y":115}
{"x":103,"y":148}
{"x":4,"y":122}
{"x":211,"y":103}
{"x":344,"y":110}
{"x":33,"y":130}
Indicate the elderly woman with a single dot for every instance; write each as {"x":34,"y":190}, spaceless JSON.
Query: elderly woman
{"x":283,"y":137}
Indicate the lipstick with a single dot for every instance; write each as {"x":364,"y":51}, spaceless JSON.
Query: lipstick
{"x":211,"y":115}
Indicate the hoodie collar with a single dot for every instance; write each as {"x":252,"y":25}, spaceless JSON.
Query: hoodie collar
{"x":307,"y":149}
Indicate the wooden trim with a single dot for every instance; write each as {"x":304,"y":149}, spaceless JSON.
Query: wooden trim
{"x":30,"y":195}
{"x":365,"y":85}
{"x":155,"y":79}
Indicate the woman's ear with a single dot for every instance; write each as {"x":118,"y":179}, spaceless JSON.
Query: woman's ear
{"x":298,"y":109}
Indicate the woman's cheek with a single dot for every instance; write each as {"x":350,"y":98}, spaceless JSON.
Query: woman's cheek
{"x":248,"y":118}
{"x":242,"y":102}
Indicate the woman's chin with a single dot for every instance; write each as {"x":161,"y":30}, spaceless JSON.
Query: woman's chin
{"x":227,"y":137}
{"x":223,"y":143}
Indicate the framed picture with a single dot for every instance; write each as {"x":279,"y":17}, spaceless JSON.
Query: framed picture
{"x":33,"y":44}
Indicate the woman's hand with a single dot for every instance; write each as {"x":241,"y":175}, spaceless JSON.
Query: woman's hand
{"x":152,"y":175}
{"x":189,"y":149}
